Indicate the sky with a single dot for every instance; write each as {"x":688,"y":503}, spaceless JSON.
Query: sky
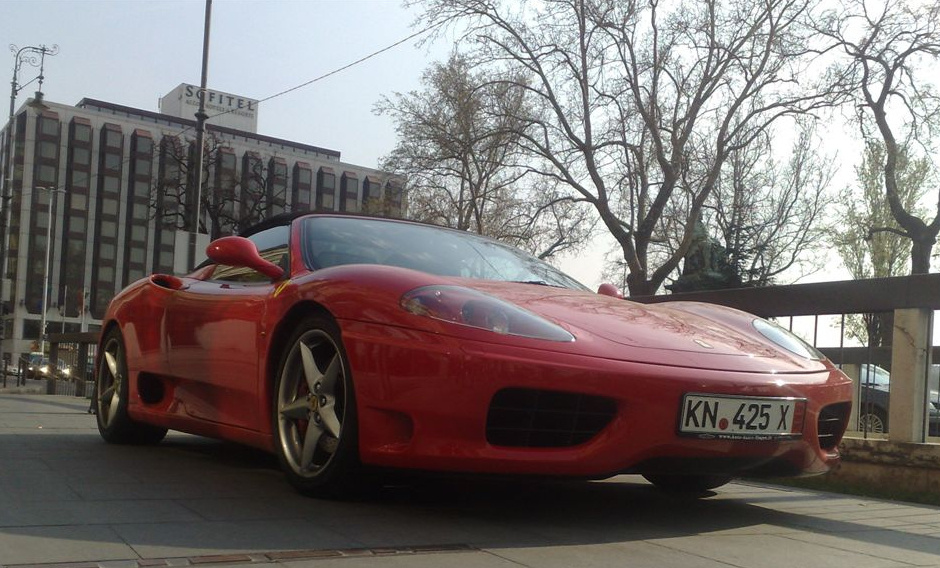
{"x":132,"y":52}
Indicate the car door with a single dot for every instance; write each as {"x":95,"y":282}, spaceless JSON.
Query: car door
{"x":214,"y":334}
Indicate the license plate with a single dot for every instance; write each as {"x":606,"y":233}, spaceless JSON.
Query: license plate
{"x":739,"y":418}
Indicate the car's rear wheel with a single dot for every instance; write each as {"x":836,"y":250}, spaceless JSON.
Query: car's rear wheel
{"x":872,"y":420}
{"x":111,"y":396}
{"x":315,"y":412}
{"x":688,"y":484}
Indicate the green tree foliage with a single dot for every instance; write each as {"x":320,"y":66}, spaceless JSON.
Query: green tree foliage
{"x":868,"y":238}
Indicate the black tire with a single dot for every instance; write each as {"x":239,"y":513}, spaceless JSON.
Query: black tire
{"x":314,"y":396}
{"x":111,"y":395}
{"x":687,"y":484}
{"x":873,"y":420}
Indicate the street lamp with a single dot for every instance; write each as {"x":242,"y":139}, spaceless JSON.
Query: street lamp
{"x":36,"y":57}
{"x":45,"y":274}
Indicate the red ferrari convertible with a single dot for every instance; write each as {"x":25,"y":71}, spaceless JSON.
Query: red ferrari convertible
{"x":346,"y":344}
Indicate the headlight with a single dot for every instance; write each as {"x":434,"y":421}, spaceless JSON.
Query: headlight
{"x":786,"y":339}
{"x":465,"y":306}
{"x":66,"y":371}
{"x":44,"y":369}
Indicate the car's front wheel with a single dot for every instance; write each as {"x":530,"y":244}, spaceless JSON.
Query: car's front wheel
{"x":315,"y":412}
{"x":111,"y":397}
{"x":688,"y":484}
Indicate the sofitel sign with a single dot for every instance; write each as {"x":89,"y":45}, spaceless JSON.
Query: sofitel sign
{"x":224,"y":109}
{"x":221,"y":101}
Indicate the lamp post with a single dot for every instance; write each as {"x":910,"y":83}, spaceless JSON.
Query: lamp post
{"x":201,"y":117}
{"x":45,"y":274}
{"x":36,"y":57}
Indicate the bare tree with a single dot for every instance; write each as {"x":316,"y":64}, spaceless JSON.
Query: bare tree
{"x":458,"y":149}
{"x":637,"y":107}
{"x":236,"y":193}
{"x":889,"y":45}
{"x":769,"y":214}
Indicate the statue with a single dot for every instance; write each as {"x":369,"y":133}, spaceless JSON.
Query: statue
{"x":706,"y":265}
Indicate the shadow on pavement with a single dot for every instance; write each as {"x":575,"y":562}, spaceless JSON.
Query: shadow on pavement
{"x":192,"y":495}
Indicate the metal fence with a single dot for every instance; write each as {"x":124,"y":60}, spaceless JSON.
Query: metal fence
{"x":71,"y":365}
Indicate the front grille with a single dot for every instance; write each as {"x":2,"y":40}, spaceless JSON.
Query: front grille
{"x":533,"y":418}
{"x":833,"y":420}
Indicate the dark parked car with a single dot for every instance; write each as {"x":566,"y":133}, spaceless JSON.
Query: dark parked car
{"x":874,"y":387}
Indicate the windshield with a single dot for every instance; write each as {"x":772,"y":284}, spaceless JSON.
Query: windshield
{"x":333,"y":241}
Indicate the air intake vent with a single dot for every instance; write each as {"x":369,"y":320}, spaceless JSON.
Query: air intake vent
{"x":534,"y":418}
{"x":833,"y":420}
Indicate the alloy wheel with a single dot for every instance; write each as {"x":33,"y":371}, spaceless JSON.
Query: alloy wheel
{"x":311,"y":402}
{"x":110,"y":379}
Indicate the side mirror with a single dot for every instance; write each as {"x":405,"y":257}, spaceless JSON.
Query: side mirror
{"x":239,"y":251}
{"x":609,"y":290}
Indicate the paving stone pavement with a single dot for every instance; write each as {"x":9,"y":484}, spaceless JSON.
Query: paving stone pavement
{"x":67,"y":499}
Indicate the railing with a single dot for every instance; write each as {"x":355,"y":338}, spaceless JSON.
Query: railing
{"x":911,"y":300}
{"x":72,"y":364}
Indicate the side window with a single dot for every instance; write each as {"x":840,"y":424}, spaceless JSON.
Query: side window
{"x":272,"y":245}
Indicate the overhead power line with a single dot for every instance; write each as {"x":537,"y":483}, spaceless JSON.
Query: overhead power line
{"x":340,"y":69}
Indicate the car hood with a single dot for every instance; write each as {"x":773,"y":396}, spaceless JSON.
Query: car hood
{"x":679,"y":333}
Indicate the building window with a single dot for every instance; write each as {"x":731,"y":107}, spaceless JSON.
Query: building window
{"x":48,"y":150}
{"x":31,"y":329}
{"x":109,"y":206}
{"x":77,"y":224}
{"x":78,"y":201}
{"x":81,"y":156}
{"x":302,"y":187}
{"x":139,"y":233}
{"x":142,"y":167}
{"x":349,"y":193}
{"x":47,"y":175}
{"x":80,"y":178}
{"x":112,"y":161}
{"x":326,"y":189}
{"x":109,"y":229}
{"x":72,"y":267}
{"x":82,"y":133}
{"x":141,"y":211}
{"x":113,"y":139}
{"x":141,"y":189}
{"x":277,"y":186}
{"x":49,"y":126}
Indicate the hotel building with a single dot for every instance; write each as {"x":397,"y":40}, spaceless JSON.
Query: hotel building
{"x":115,"y":180}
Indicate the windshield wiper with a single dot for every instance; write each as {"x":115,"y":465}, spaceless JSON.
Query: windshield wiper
{"x":537,"y":283}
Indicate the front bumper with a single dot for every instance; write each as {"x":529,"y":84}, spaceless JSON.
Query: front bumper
{"x":423,"y":401}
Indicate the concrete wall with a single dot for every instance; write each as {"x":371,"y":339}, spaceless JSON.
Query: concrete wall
{"x":882,"y":463}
